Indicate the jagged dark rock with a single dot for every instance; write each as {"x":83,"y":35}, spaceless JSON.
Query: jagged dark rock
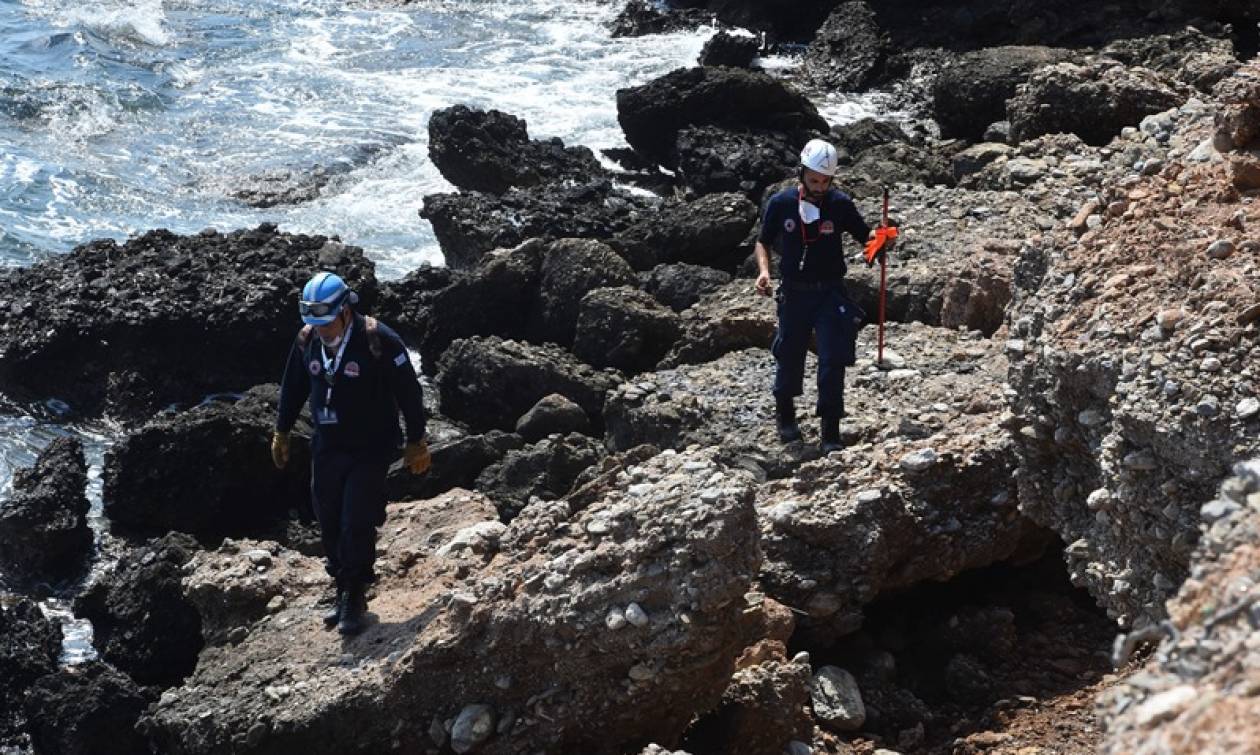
{"x":29,"y":648}
{"x":141,"y":621}
{"x":552,"y":414}
{"x":87,"y":709}
{"x":852,"y":139}
{"x":44,"y":534}
{"x":624,"y":328}
{"x":848,"y":52}
{"x":458,"y":458}
{"x":712,"y":159}
{"x":213,"y":476}
{"x":652,"y":114}
{"x":491,"y":151}
{"x":470,"y":224}
{"x":545,"y":470}
{"x":128,"y":329}
{"x":570,"y":269}
{"x":640,"y":18}
{"x":680,"y":285}
{"x":490,"y":382}
{"x":972,"y":90}
{"x":726,"y":49}
{"x":706,"y":231}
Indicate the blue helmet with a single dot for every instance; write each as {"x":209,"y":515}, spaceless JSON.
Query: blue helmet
{"x":323,"y":297}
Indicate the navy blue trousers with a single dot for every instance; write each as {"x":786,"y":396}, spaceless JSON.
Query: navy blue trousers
{"x":348,"y":494}
{"x":834,"y":319}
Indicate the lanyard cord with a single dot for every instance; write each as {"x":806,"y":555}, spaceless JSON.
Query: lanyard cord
{"x":331,"y":365}
{"x":805,"y":242}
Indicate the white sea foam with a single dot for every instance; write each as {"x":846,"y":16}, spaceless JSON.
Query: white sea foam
{"x":138,"y":21}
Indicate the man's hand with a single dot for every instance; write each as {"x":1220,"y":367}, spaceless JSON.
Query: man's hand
{"x":763,"y":284}
{"x":280,"y":449}
{"x":416,"y":457}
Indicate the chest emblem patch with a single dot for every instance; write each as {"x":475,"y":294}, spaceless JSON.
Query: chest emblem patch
{"x":352,"y":369}
{"x":789,"y":225}
{"x":314,"y":366}
{"x":827,"y":227}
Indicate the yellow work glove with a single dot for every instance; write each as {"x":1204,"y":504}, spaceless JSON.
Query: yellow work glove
{"x":416,"y":457}
{"x":280,"y":449}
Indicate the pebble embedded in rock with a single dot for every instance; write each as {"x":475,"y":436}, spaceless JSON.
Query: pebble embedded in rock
{"x":1209,"y":406}
{"x":636,"y":615}
{"x":1247,"y":408}
{"x":1221,"y":249}
{"x":616,"y":619}
{"x":1090,"y":418}
{"x":1169,"y":318}
{"x":474,"y":725}
{"x":837,"y":700}
{"x":919,"y":460}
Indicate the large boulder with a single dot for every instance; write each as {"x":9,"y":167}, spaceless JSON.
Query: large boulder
{"x":433,"y":306}
{"x":1188,"y":55}
{"x":163,"y":318}
{"x":898,"y":162}
{"x":706,"y":231}
{"x":544,"y":470}
{"x":971,"y":92}
{"x":207,"y":472}
{"x":626,"y":612}
{"x":30,"y":646}
{"x":726,"y":49}
{"x":44,"y":535}
{"x":848,"y":51}
{"x":730,"y":318}
{"x":640,"y":18}
{"x":88,"y":709}
{"x":652,"y":114}
{"x":1132,"y":375}
{"x":765,"y":707}
{"x":571,"y":268}
{"x":552,"y":414}
{"x":1094,"y":101}
{"x":679,"y":285}
{"x":490,"y":382}
{"x":470,"y":224}
{"x":458,"y":458}
{"x":780,"y":18}
{"x":491,"y":151}
{"x":141,"y":621}
{"x":713,"y":159}
{"x":624,"y":328}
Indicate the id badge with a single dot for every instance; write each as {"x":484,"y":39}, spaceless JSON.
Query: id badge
{"x":326,"y":416}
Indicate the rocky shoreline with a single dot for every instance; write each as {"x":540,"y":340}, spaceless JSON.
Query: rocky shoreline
{"x":613,"y":552}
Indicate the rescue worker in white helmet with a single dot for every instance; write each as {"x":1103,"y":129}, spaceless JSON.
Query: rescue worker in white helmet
{"x":805,"y":223}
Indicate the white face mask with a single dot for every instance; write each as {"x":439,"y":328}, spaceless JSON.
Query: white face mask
{"x":809,"y":212}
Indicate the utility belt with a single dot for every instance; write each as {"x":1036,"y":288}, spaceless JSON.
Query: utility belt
{"x":835,"y":284}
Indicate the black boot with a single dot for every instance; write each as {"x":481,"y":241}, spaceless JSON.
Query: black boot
{"x":831,"y":435}
{"x":333,"y":615}
{"x":353,"y":606}
{"x":785,"y":418}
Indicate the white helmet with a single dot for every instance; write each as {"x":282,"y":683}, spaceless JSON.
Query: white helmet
{"x":819,"y":156}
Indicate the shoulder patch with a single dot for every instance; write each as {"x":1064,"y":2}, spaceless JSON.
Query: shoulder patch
{"x":401,"y":359}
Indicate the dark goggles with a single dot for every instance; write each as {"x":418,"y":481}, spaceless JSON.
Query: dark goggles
{"x":319,"y":308}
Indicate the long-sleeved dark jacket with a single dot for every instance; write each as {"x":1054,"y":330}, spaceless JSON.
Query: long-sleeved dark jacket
{"x":366,"y":394}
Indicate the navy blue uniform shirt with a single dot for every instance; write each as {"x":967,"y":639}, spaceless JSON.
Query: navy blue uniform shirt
{"x":366,"y":392}
{"x":782,"y":229}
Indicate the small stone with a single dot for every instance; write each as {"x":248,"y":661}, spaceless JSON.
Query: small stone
{"x":919,"y":460}
{"x":869,"y":496}
{"x":1210,"y":364}
{"x":259,"y":557}
{"x":276,"y":604}
{"x":636,"y":615}
{"x":1215,"y":510}
{"x":892,"y":360}
{"x":837,"y":700}
{"x":1221,"y":249}
{"x":641,"y":673}
{"x":616,"y":619}
{"x":782,"y":513}
{"x":1090,"y":418}
{"x":1165,"y":705}
{"x":473,"y":726}
{"x":1169,"y":318}
{"x":1208,"y":406}
{"x":1247,"y":408}
{"x":1015,"y":347}
{"x":503,"y":682}
{"x":797,"y":747}
{"x":1171,"y":388}
{"x":254,"y":736}
{"x":1099,"y":499}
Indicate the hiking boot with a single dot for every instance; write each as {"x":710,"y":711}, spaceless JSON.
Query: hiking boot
{"x":831,"y":435}
{"x":353,"y":605}
{"x":785,"y":420}
{"x":333,"y":615}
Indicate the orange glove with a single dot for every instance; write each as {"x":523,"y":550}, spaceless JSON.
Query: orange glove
{"x":280,"y":449}
{"x":885,"y":239}
{"x":416,"y":457}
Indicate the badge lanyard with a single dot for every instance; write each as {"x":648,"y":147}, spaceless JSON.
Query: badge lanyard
{"x":331,"y":365}
{"x":805,"y":240}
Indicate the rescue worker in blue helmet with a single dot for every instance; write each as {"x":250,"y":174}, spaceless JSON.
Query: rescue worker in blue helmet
{"x":356,"y":373}
{"x":805,"y":224}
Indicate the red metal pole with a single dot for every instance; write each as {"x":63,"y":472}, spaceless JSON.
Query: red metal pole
{"x":883,"y":283}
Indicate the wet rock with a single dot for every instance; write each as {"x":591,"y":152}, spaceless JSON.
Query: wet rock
{"x":30,"y":646}
{"x":544,"y":470}
{"x":283,"y":186}
{"x":87,"y":709}
{"x":216,"y":477}
{"x":730,"y":318}
{"x":571,"y":268}
{"x":537,"y":606}
{"x":1093,"y":101}
{"x":727,"y":49}
{"x":680,"y":285}
{"x":779,"y":18}
{"x":126,"y":329}
{"x":552,"y":414}
{"x":141,"y":622}
{"x":43,"y":525}
{"x":458,"y":458}
{"x":972,"y":90}
{"x":836,"y":699}
{"x":640,"y":18}
{"x":490,"y":382}
{"x":624,"y":328}
{"x":652,"y":114}
{"x":848,"y":51}
{"x":491,"y":151}
{"x":706,"y":231}
{"x":714,"y":159}
{"x":470,"y":224}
